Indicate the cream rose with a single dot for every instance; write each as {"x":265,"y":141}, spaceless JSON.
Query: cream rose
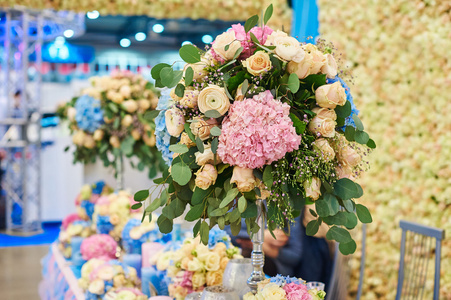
{"x":195,"y":265}
{"x":212,"y":261}
{"x":330,"y":95}
{"x":190,"y":98}
{"x":115,"y":142}
{"x":312,"y":188}
{"x":273,"y":291}
{"x":144,"y":104}
{"x":106,"y":273}
{"x":198,"y":280}
{"x":213,"y":97}
{"x":213,"y":278}
{"x":174,"y":96}
{"x":224,"y":262}
{"x":89,"y":142}
{"x":244,"y":179}
{"x":325,"y":113}
{"x":275,"y":34}
{"x":322,"y":126}
{"x":125,"y":91}
{"x":207,"y":157}
{"x":323,"y":146}
{"x":164,"y":260}
{"x":119,"y":281}
{"x":78,"y":137}
{"x":288,"y":49}
{"x":202,"y":128}
{"x":222,"y":40}
{"x":150,"y":140}
{"x":199,"y":71}
{"x":114,"y":219}
{"x":185,"y":140}
{"x":206,"y":176}
{"x":330,"y":68}
{"x":317,"y":57}
{"x":71,"y":113}
{"x":127,"y":121}
{"x":97,"y":287}
{"x":136,"y":233}
{"x":98,"y":135}
{"x":344,"y":172}
{"x":175,"y":121}
{"x":184,"y":263}
{"x":220,"y":248}
{"x":115,"y":97}
{"x":135,"y":134}
{"x":257,"y":64}
{"x":250,"y":296}
{"x":130,"y":105}
{"x":349,"y":156}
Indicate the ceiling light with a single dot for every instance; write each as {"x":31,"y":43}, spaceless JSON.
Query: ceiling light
{"x":140,"y":36}
{"x":125,"y":42}
{"x":158,"y":28}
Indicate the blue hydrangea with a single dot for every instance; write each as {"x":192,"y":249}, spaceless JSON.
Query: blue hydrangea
{"x":218,"y":236}
{"x":282,"y":280}
{"x":89,"y":114}
{"x":98,"y":187}
{"x":103,"y":224}
{"x":354,"y":111}
{"x":82,"y":223}
{"x":163,"y":138}
{"x":88,"y":206}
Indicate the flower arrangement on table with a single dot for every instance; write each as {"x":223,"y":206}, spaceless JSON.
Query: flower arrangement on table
{"x":112,"y":212}
{"x":194,"y":266}
{"x":98,"y":277}
{"x":260,"y":116}
{"x":88,"y":197}
{"x":135,"y":233}
{"x":101,"y":246}
{"x":75,"y":228}
{"x":114,"y":116}
{"x":125,"y":294}
{"x":281,"y":288}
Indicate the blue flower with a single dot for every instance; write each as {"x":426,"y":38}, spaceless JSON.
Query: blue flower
{"x":218,"y":236}
{"x":98,"y":187}
{"x":89,"y":114}
{"x":163,"y":138}
{"x":88,"y":207}
{"x":103,"y":224}
{"x":354,"y":111}
{"x":282,"y":280}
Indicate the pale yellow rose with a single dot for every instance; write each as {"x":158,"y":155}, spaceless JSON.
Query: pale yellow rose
{"x":250,"y":296}
{"x":224,"y":39}
{"x":202,"y":128}
{"x":97,"y":287}
{"x":115,"y":219}
{"x":198,"y":280}
{"x":71,"y":113}
{"x":202,"y":250}
{"x":172,"y":271}
{"x":78,"y":137}
{"x":185,"y":140}
{"x":115,"y":97}
{"x":273,"y":291}
{"x":149,"y":140}
{"x":144,"y":104}
{"x":212,"y":261}
{"x":195,"y":265}
{"x":73,"y":230}
{"x":317,"y":57}
{"x":206,"y":176}
{"x":322,"y":126}
{"x":127,"y":121}
{"x":349,"y":156}
{"x":325,"y":113}
{"x":115,"y":142}
{"x":190,"y":98}
{"x":244,"y":179}
{"x":214,"y":278}
{"x":344,"y":172}
{"x":98,"y":134}
{"x":125,"y":91}
{"x":175,"y":121}
{"x":184,"y":263}
{"x":330,"y":95}
{"x":89,"y":142}
{"x":125,"y":295}
{"x":224,"y":262}
{"x":330,"y":68}
{"x":130,"y":105}
{"x":207,"y":157}
{"x":257,"y":64}
{"x":323,"y":146}
{"x":270,"y":41}
{"x":312,"y":188}
{"x":135,"y":134}
{"x":303,"y":68}
{"x":213,"y":97}
{"x":119,"y":281}
{"x":288,"y":49}
{"x":106,"y":273}
{"x":220,"y":248}
{"x":107,"y":120}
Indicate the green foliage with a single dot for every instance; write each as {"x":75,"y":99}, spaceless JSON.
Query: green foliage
{"x":164,"y":224}
{"x":212,"y":114}
{"x":181,"y":173}
{"x":293,"y":83}
{"x":251,"y":22}
{"x":155,"y":72}
{"x":180,"y":90}
{"x":343,"y":111}
{"x":347,"y":189}
{"x":363,"y":214}
{"x":190,"y":54}
{"x":298,"y":124}
{"x":141,"y":195}
{"x":189,"y":74}
{"x":268,"y":14}
{"x":179,"y":148}
{"x":313,"y":227}
{"x":215,"y":131}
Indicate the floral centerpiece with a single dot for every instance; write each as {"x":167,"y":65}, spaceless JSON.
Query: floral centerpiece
{"x":135,"y":233}
{"x":99,"y":246}
{"x":88,"y":197}
{"x":74,"y":228}
{"x":98,"y":277}
{"x":194,"y":266}
{"x":114,"y":116}
{"x":125,"y":294}
{"x":282,"y":288}
{"x":112,"y":212}
{"x":260,"y":115}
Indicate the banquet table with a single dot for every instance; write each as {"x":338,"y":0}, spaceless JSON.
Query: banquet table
{"x":59,"y":278}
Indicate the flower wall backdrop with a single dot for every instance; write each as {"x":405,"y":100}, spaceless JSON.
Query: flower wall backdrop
{"x":399,"y":52}
{"x":227,"y":10}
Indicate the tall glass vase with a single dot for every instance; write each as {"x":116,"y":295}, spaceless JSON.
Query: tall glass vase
{"x":257,"y":257}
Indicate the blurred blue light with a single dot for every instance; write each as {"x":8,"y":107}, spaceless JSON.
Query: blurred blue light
{"x":59,"y":40}
{"x":125,"y":42}
{"x":158,"y":28}
{"x":186,"y":43}
{"x":93,"y":14}
{"x":140,"y":36}
{"x":69,"y":33}
{"x":207,"y":39}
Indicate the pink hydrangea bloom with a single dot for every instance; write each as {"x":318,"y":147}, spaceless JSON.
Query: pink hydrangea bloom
{"x":70,"y":219}
{"x":94,"y":198}
{"x":98,"y":246}
{"x":103,"y":200}
{"x":257,"y":132}
{"x":245,"y":39}
{"x":297,"y":292}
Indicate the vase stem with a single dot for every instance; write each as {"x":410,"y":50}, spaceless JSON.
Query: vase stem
{"x":258,"y":258}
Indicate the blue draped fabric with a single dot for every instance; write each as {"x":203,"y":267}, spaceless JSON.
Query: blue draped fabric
{"x":305,"y":20}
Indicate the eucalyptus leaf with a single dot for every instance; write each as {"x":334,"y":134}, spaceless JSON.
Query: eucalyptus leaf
{"x":164,"y":224}
{"x":358,"y":123}
{"x":313,"y":227}
{"x":200,"y":144}
{"x":181,"y":173}
{"x":204,"y":232}
{"x":189,"y":74}
{"x":343,"y":111}
{"x":212,"y":114}
{"x":268,"y":14}
{"x":195,"y":212}
{"x":363,"y":214}
{"x":350,"y":133}
{"x":215,"y":131}
{"x":178,"y":148}
{"x":371,"y":144}
{"x":242,"y":204}
{"x":346,"y":189}
{"x":267,"y":176}
{"x":251,"y":22}
{"x":244,"y":86}
{"x":180,"y":90}
{"x":137,"y":205}
{"x":196,"y":228}
{"x":190,"y":54}
{"x":293,"y":83}
{"x":141,"y":195}
{"x":361,"y":137}
{"x":231,"y":194}
{"x":338,"y":234}
{"x":166,"y":76}
{"x":347,"y":248}
{"x":214,"y":146}
{"x":155,"y":71}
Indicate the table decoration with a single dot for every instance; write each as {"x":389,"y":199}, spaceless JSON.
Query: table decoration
{"x":99,"y":246}
{"x":136,"y":233}
{"x":125,"y":294}
{"x":75,"y":231}
{"x":236,"y":273}
{"x":259,"y":116}
{"x":133,"y":260}
{"x":219,"y":292}
{"x":88,"y":197}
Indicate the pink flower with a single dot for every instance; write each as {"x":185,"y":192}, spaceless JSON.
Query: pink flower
{"x":187,"y":280}
{"x":257,"y":132}
{"x":99,"y":246}
{"x":297,"y":292}
{"x":94,"y":198}
{"x":78,"y":200}
{"x":70,"y":219}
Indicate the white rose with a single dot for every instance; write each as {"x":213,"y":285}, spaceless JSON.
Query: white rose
{"x":198,"y":280}
{"x":214,"y":278}
{"x":275,"y":34}
{"x":207,"y":157}
{"x":97,"y":287}
{"x":274,"y":292}
{"x":195,"y":265}
{"x":289,"y":49}
{"x":318,"y":58}
{"x":164,"y":260}
{"x":212,"y":261}
{"x":222,"y":40}
{"x":330,"y":95}
{"x":175,"y":121}
{"x":303,"y":68}
{"x":213,"y":97}
{"x":71,"y":113}
{"x":330,"y":68}
{"x":106,"y":273}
